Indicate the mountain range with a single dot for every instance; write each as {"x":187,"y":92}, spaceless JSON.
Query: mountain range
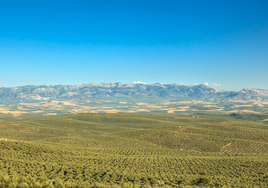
{"x":99,"y":90}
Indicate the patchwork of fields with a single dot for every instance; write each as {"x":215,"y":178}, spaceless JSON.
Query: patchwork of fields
{"x":170,"y":106}
{"x":133,"y":150}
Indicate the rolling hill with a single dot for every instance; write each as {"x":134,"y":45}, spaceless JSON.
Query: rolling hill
{"x":133,"y":150}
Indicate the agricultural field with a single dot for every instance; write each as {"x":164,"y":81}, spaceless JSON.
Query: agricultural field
{"x":134,"y":150}
{"x":132,"y":105}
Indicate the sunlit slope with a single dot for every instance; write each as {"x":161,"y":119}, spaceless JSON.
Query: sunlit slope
{"x":29,"y":164}
{"x":133,"y":150}
{"x":185,"y":132}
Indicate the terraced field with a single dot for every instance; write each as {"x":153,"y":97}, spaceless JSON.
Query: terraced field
{"x":133,"y":150}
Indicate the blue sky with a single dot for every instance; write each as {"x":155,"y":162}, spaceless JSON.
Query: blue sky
{"x":189,"y":42}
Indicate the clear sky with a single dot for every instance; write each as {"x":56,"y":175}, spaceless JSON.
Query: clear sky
{"x":190,"y":42}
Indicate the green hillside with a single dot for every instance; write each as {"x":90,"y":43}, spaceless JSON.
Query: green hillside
{"x":133,"y":150}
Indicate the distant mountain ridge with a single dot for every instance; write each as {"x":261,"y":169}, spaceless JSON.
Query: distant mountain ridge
{"x":97,"y":90}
